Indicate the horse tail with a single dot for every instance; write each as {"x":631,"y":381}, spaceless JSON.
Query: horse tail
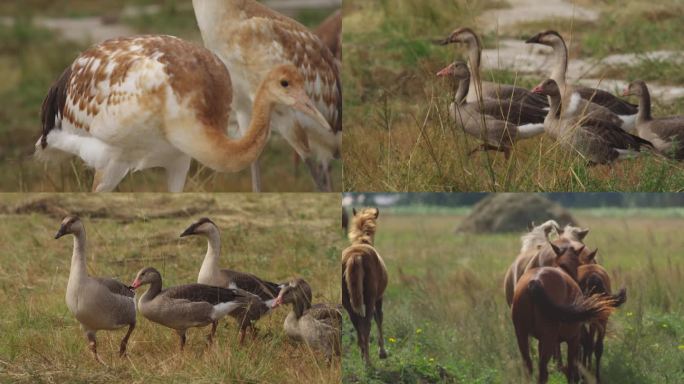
{"x":594,"y":308}
{"x":596,"y":285}
{"x":354,"y":280}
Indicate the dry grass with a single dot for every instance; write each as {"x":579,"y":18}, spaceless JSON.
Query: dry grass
{"x":275,"y":236}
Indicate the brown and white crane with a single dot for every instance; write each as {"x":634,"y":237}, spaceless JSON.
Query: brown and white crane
{"x":133,"y":103}
{"x":251,"y":39}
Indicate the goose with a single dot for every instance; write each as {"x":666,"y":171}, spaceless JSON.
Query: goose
{"x":486,"y":119}
{"x":611,"y":108}
{"x":211,"y":274}
{"x":97,"y":303}
{"x":319,"y":325}
{"x":187,"y":306}
{"x":666,"y":133}
{"x":133,"y":103}
{"x":484,"y":89}
{"x":251,"y":39}
{"x":598,"y":143}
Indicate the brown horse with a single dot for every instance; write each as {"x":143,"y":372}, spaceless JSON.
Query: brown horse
{"x":364,"y":279}
{"x":549,"y":306}
{"x":535,"y":251}
{"x":594,"y":279}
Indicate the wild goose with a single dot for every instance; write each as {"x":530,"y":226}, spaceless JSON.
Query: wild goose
{"x":96,"y":302}
{"x":484,"y":89}
{"x":598,"y":143}
{"x":612,"y":107}
{"x":211,"y":274}
{"x":487,"y":119}
{"x":666,"y":133}
{"x":134,"y":103}
{"x":318,"y":325}
{"x":187,"y":306}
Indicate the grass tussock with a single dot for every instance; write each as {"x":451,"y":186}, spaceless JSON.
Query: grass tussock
{"x":275,"y":236}
{"x":447,"y":321}
{"x":398,"y":133}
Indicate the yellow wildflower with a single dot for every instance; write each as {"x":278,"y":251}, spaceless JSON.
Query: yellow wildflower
{"x":392,"y":340}
{"x":419,"y":331}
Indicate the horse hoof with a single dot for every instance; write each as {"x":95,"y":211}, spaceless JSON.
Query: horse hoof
{"x":382,"y":354}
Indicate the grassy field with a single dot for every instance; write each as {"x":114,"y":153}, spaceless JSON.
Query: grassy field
{"x":398,"y":133}
{"x":32,"y":57}
{"x":446,"y":318}
{"x":275,"y":236}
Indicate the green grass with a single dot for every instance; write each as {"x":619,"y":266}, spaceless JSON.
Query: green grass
{"x":399,"y":137}
{"x":275,"y":236}
{"x":446,"y":318}
{"x":31,"y":58}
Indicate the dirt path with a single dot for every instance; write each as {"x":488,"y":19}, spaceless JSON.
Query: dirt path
{"x":535,"y":59}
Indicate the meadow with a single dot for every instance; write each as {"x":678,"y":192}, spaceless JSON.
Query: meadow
{"x":446,"y":317}
{"x":398,"y":133}
{"x":277,"y":237}
{"x":32,"y":57}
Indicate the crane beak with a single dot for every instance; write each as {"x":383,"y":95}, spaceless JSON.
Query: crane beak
{"x":304,"y":104}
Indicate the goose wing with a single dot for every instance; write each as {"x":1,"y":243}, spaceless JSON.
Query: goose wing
{"x":203,"y":293}
{"x":246,"y":281}
{"x":608,"y":100}
{"x":116,"y":287}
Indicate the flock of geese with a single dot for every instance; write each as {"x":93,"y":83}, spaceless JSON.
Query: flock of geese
{"x":157,"y":101}
{"x":598,"y":125}
{"x":106,"y":304}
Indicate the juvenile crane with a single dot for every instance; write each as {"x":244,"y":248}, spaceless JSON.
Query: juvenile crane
{"x":251,"y":40}
{"x":133,"y":103}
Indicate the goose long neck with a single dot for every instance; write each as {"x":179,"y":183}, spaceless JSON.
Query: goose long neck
{"x":644,"y":105}
{"x":78,"y":258}
{"x":560,"y":66}
{"x":300,"y":306}
{"x":462,"y":90}
{"x":152,"y":291}
{"x":474,"y":57}
{"x":210,"y":265}
{"x":555,"y":103}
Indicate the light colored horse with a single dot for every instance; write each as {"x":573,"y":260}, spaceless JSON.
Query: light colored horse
{"x":536,"y":252}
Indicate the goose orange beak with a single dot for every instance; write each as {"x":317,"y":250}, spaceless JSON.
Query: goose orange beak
{"x":537,"y":89}
{"x":136,"y":283}
{"x":446,"y":71}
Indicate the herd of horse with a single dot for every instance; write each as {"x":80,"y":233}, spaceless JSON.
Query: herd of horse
{"x":557,"y":292}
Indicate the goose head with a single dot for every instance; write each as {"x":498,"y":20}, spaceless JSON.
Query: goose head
{"x":461,"y":35}
{"x":548,"y":87}
{"x":549,"y":38}
{"x":635,"y":88}
{"x":295,"y":291}
{"x":70,"y":225}
{"x":203,"y":226}
{"x":458,"y":70}
{"x":284,"y":85}
{"x":145,"y":276}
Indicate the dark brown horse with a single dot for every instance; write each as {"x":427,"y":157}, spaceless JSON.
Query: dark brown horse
{"x":594,"y":279}
{"x":549,"y":306}
{"x":364,"y":279}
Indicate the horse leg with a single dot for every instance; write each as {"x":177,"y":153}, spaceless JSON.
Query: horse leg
{"x":599,"y":352}
{"x":364,"y":339}
{"x":546,"y":350}
{"x":524,"y":347}
{"x":573,"y":349}
{"x":378,"y":322}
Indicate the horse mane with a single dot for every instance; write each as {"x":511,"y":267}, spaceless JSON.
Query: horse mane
{"x":538,"y":236}
{"x":363,"y":226}
{"x":574,"y":233}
